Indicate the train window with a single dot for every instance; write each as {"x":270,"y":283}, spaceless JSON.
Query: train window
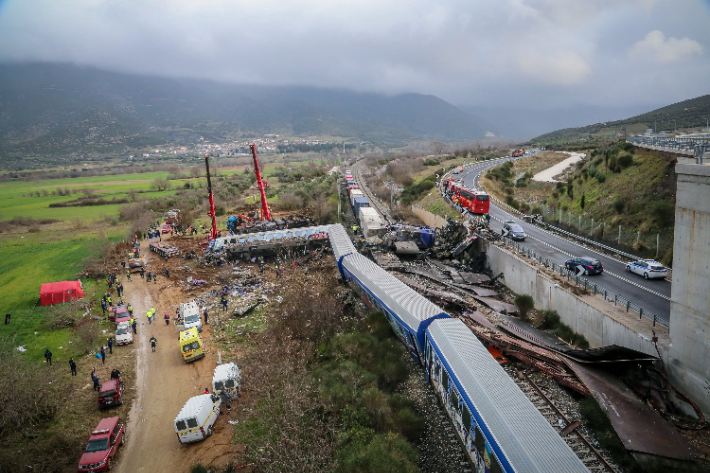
{"x":495,"y":466}
{"x":454,"y":398}
{"x":480,"y":442}
{"x":445,"y":379}
{"x":465,"y":417}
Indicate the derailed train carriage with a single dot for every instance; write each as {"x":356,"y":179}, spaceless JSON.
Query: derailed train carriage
{"x":500,"y":428}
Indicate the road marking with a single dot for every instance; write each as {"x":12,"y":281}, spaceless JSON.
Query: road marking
{"x":606,"y":272}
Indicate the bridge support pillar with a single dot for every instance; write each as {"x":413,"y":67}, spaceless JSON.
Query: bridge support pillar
{"x":688,"y":365}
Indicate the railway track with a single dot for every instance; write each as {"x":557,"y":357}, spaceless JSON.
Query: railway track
{"x":580,"y":445}
{"x":374,"y":201}
{"x":594,"y":460}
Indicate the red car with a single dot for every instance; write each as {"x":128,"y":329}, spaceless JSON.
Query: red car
{"x":166,"y":229}
{"x":102,"y":445}
{"x":111,"y":393}
{"x":119,"y":312}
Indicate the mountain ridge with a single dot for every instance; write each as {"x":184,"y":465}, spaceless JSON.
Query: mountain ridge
{"x":60,"y":108}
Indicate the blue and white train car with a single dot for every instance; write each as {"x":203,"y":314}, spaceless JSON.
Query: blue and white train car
{"x":341,"y":243}
{"x":501,"y":429}
{"x":409,"y":313}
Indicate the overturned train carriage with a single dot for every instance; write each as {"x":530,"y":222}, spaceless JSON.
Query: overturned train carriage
{"x":500,"y":428}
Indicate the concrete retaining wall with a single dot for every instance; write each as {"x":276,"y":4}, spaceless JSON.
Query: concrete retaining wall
{"x":582,"y":316}
{"x":430,"y":219}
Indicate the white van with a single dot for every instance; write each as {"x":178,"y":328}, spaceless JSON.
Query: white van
{"x":226,"y":378}
{"x":190,"y":313}
{"x":198,"y":415}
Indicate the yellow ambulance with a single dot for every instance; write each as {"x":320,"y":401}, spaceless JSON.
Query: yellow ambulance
{"x":191,"y":345}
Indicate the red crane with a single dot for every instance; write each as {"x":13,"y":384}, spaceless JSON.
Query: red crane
{"x":210,"y":196}
{"x":265,"y":213}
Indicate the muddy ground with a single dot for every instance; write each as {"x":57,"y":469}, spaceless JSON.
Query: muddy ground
{"x":164,"y":382}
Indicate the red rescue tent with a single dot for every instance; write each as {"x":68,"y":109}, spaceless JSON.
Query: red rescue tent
{"x":58,"y":292}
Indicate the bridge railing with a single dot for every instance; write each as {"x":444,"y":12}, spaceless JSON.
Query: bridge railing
{"x":609,"y":295}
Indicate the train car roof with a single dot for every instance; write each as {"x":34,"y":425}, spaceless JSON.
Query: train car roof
{"x":506,"y":415}
{"x":340,"y":241}
{"x":410,"y":306}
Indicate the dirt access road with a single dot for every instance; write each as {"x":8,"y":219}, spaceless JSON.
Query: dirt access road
{"x":164,"y":383}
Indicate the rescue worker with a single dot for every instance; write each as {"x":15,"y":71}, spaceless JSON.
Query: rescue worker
{"x":149,"y":276}
{"x":149,"y":314}
{"x":153,"y":341}
{"x":167,"y":319}
{"x":48,"y":356}
{"x":95,"y":379}
{"x":72,"y":366}
{"x":128,"y":274}
{"x":142,"y":272}
{"x":130,"y":309}
{"x":115,"y":374}
{"x":167,"y":273}
{"x":110,"y":301}
{"x":224,"y":303}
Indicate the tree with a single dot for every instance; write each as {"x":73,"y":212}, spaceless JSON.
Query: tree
{"x":581,"y":203}
{"x":160,"y":184}
{"x":524,"y":303}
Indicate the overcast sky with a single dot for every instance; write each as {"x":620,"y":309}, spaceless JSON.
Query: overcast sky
{"x":545,"y":54}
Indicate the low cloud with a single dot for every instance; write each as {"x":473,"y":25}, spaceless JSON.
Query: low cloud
{"x":666,"y":50}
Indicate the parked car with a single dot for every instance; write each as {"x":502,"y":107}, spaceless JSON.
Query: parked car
{"x":166,"y":229}
{"x":124,"y":334}
{"x":117,"y":312}
{"x":648,"y":268}
{"x":196,"y":418}
{"x":103,"y":444}
{"x":513,"y":230}
{"x":111,"y":393}
{"x":587,"y":264}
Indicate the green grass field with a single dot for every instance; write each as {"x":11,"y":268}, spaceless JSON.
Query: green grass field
{"x":26,"y":261}
{"x":15,"y":199}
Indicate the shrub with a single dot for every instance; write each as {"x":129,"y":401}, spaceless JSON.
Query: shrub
{"x":601,"y":177}
{"x":509,"y":190}
{"x":219,"y":210}
{"x":619,"y":205}
{"x":663,"y":212}
{"x":524,"y":303}
{"x":582,"y":202}
{"x":625,"y":160}
{"x":549,"y":319}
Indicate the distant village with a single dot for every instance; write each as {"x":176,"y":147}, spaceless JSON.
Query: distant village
{"x":269,"y":144}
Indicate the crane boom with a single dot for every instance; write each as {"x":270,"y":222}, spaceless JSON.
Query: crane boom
{"x":210,"y":196}
{"x":265,"y":212}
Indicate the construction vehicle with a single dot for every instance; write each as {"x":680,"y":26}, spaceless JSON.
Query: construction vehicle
{"x":210,"y":196}
{"x":265,"y":212}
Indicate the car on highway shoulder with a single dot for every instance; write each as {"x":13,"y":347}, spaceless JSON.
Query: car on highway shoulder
{"x":648,"y":268}
{"x":585,"y":265}
{"x":513,"y":230}
{"x":103,"y":443}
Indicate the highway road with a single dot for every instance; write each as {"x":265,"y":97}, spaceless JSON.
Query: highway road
{"x":652,"y":295}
